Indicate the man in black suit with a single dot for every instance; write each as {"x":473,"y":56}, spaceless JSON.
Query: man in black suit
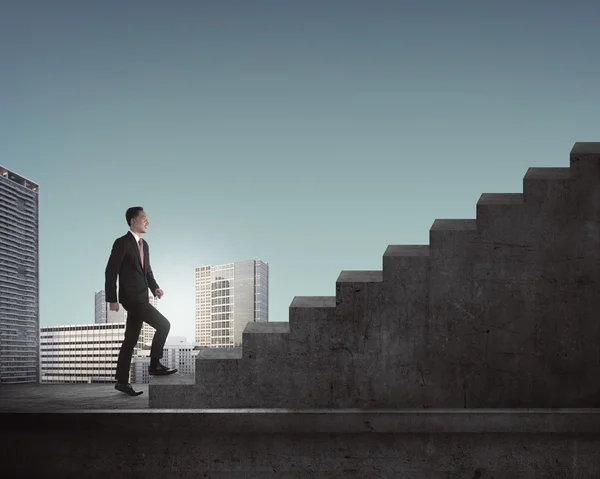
{"x":130,"y":259}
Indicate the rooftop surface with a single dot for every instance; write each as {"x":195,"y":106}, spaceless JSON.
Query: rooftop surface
{"x":59,"y":397}
{"x":83,"y":402}
{"x":100,"y":407}
{"x":92,"y":430}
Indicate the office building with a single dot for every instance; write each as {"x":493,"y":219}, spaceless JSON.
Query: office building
{"x":19,"y":279}
{"x":228,"y":297}
{"x":83,"y":353}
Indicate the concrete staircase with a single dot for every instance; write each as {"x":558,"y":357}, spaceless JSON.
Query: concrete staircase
{"x":476,"y":356}
{"x":500,"y":311}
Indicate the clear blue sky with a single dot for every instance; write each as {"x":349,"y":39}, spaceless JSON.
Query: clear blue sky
{"x":308,"y":134}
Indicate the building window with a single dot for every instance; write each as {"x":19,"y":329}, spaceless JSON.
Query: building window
{"x":21,"y":271}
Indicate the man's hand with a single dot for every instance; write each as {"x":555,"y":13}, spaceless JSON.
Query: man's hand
{"x":159,"y":292}
{"x":114,"y":306}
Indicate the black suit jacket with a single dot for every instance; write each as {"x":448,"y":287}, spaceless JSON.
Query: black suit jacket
{"x":134,"y":280}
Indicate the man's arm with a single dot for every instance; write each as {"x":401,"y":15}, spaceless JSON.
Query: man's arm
{"x":112,"y":270}
{"x":150,"y":277}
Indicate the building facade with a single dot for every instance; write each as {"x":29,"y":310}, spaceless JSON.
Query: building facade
{"x":82,"y":353}
{"x":177,"y":353}
{"x":102,"y":312}
{"x":19,"y":279}
{"x":228,"y":297}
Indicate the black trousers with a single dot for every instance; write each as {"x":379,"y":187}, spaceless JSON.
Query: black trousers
{"x":136,"y":316}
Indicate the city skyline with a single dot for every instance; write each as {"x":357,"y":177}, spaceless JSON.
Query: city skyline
{"x":310,"y":135}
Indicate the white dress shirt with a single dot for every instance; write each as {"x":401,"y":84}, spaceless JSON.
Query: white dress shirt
{"x":136,"y":236}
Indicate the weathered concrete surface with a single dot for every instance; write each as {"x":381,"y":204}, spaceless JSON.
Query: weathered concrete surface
{"x":497,"y":311}
{"x":27,"y":398}
{"x":91,"y":430}
{"x":317,"y":444}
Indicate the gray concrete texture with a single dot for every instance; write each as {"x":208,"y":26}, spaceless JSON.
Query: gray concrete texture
{"x":498,"y":311}
{"x":91,"y":430}
{"x":137,"y":446}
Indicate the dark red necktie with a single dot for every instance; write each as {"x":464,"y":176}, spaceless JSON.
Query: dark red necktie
{"x":142,"y":252}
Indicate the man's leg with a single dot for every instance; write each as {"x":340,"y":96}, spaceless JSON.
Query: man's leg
{"x":132,"y":334}
{"x":162,"y":326}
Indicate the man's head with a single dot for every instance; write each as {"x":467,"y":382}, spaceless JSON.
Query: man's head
{"x":137,"y":219}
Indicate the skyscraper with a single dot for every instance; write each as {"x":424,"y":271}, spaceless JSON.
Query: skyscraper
{"x":19,"y":279}
{"x":229,"y":296}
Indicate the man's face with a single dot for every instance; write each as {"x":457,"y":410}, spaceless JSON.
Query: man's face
{"x":140,"y":222}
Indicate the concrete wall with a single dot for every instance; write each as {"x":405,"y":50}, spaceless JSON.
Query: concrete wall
{"x":498,"y":311}
{"x":301,"y":444}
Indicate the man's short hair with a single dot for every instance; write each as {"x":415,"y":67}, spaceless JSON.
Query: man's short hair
{"x":132,"y":213}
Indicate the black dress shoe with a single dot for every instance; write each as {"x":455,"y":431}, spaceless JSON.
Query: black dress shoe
{"x":160,"y":370}
{"x":127,"y":389}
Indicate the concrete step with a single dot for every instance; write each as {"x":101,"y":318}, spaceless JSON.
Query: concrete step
{"x":313,"y":302}
{"x":220,"y":353}
{"x":405,"y":262}
{"x":212,"y":365}
{"x":540,"y":183}
{"x":500,"y":199}
{"x":357,"y":276}
{"x":309,"y":317}
{"x":446,"y":225}
{"x":494,"y":206}
{"x":448,"y":238}
{"x":266,"y":338}
{"x":162,"y":388}
{"x":350,"y":282}
{"x":585,"y":161}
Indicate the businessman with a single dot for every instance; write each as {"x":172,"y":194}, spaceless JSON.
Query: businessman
{"x":130,"y":260}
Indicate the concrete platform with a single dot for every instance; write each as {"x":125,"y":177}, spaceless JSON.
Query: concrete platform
{"x":60,"y":397}
{"x":91,"y":429}
{"x":76,"y":404}
{"x":37,"y":398}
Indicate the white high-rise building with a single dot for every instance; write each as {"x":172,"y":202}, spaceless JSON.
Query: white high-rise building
{"x":102,"y":312}
{"x":228,"y":297}
{"x":19,"y":279}
{"x":82,"y":353}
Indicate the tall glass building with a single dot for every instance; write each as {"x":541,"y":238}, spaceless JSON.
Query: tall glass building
{"x":19,"y":279}
{"x":228,"y":297}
